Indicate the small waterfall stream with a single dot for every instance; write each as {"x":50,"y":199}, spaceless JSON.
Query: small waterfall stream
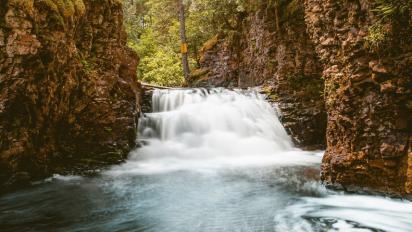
{"x":209,"y":160}
{"x":199,"y":129}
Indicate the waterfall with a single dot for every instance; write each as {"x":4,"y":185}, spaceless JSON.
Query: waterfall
{"x":202,"y":129}
{"x":210,"y":160}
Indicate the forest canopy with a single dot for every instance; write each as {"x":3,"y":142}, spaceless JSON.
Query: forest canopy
{"x":153,"y":30}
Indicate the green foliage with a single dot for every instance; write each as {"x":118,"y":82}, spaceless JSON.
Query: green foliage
{"x":387,"y":11}
{"x":282,"y":10}
{"x":28,"y":5}
{"x":79,"y":6}
{"x":159,"y":64}
{"x":66,"y":7}
{"x":62,"y":9}
{"x":377,"y":36}
{"x":162,"y":68}
{"x":153,"y":32}
{"x":88,"y":67}
{"x":51,"y":5}
{"x":286,"y":7}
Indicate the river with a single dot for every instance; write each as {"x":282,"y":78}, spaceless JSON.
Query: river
{"x":210,"y":160}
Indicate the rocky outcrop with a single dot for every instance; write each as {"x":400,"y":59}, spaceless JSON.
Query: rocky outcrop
{"x":219,"y":63}
{"x":368,"y":93}
{"x":281,"y":60}
{"x":69,"y":97}
{"x":354,"y":53}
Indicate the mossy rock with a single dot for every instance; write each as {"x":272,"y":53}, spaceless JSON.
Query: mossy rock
{"x":50,"y":5}
{"x":27,"y":5}
{"x":198,"y":73}
{"x":211,"y":43}
{"x":65,"y":8}
{"x":80,"y":7}
{"x":267,"y":89}
{"x":273,"y":97}
{"x":114,"y":2}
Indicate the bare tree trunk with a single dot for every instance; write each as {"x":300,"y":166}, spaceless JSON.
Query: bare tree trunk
{"x":277,"y":15}
{"x":184,"y":50}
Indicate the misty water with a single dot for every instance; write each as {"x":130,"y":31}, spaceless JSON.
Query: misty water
{"x":210,"y":160}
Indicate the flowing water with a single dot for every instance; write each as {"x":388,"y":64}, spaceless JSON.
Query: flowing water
{"x":211,"y":160}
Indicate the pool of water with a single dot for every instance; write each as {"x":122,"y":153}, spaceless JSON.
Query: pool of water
{"x":212,"y":160}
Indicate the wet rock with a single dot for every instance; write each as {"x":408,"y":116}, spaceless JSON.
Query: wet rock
{"x":69,"y":97}
{"x":369,"y":124}
{"x":376,"y":67}
{"x":283,"y":62}
{"x":366,"y":91}
{"x":17,"y":180}
{"x":328,"y":42}
{"x":387,"y":87}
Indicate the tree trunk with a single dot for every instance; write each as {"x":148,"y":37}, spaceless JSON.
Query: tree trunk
{"x":277,"y":15}
{"x":185,"y":62}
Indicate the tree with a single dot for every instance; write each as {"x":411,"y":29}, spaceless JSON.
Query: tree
{"x":183,"y":49}
{"x":277,"y":20}
{"x":156,"y":33}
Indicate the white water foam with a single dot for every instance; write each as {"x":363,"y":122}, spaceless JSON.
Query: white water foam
{"x":223,"y":135}
{"x":199,"y":129}
{"x":350,"y":213}
{"x":205,"y":131}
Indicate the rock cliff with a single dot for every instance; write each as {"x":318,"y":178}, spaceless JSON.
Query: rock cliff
{"x":69,"y":98}
{"x":282,"y":60}
{"x":367,"y":91}
{"x":351,"y":56}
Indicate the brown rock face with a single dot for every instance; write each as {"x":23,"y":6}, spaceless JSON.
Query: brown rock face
{"x":368,"y":95}
{"x":69,"y":97}
{"x":283,"y":61}
{"x":367,"y":88}
{"x":219,"y":63}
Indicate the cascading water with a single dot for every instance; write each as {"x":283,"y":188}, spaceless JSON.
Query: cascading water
{"x":210,"y":160}
{"x":199,"y":129}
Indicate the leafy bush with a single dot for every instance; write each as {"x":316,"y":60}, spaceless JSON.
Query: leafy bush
{"x":162,"y":68}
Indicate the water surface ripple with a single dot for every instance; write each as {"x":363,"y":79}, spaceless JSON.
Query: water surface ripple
{"x":211,"y":160}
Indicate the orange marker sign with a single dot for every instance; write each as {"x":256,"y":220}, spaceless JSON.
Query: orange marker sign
{"x":183,"y":48}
